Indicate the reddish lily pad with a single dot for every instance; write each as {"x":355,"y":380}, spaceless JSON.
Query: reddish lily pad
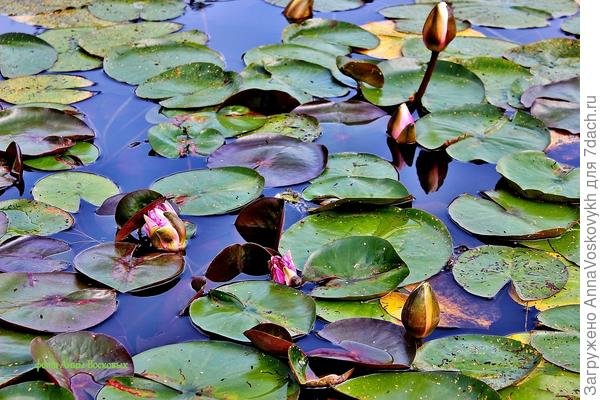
{"x":262,"y":221}
{"x":270,"y":338}
{"x":281,"y":160}
{"x":53,"y":302}
{"x":368,"y":342}
{"x":117,"y":265}
{"x":247,"y":258}
{"x":350,"y":112}
{"x":33,"y":254}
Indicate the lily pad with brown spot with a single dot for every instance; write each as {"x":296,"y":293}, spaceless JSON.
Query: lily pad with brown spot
{"x":30,"y":217}
{"x":62,"y":89}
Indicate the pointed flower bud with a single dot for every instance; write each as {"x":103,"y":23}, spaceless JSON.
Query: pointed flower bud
{"x":421,"y":312}
{"x":439,"y":28}
{"x":283,"y":270}
{"x":164,"y":228}
{"x":298,"y":10}
{"x":401,"y":126}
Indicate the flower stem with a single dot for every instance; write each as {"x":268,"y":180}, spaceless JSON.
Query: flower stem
{"x":426,"y":78}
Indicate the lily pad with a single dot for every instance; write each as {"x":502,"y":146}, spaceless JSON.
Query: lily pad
{"x":37,"y":7}
{"x":65,"y":190}
{"x":281,"y":160}
{"x":64,"y":18}
{"x":559,"y":348}
{"x":357,"y":165}
{"x":409,"y":18}
{"x":262,"y":221}
{"x":571,"y":25}
{"x":33,"y":254}
{"x":146,"y":58}
{"x":270,"y":338}
{"x":82,"y":153}
{"x":336,"y":310}
{"x":564,"y":318}
{"x":174,"y":141}
{"x":127,"y":10}
{"x":481,"y":132}
{"x":569,"y":295}
{"x":62,"y":89}
{"x":305,"y":376}
{"x":15,"y":359}
{"x":232,"y":309}
{"x":65,"y":355}
{"x":538,"y":176}
{"x":350,"y":112}
{"x":118,"y":266}
{"x":99,"y":41}
{"x":502,"y":215}
{"x":545,"y":382}
{"x":461,"y":49}
{"x":371,"y":343}
{"x":247,"y":258}
{"x":70,"y":55}
{"x":211,"y":191}
{"x":451,"y":85}
{"x":257,"y":80}
{"x":534,"y":274}
{"x":40,"y":131}
{"x":495,"y":360}
{"x":53,"y":302}
{"x":417,"y":386}
{"x":326,"y":5}
{"x":192,"y":85}
{"x":303,"y":127}
{"x":23,"y":54}
{"x":336,"y":37}
{"x":355,"y":268}
{"x":30,"y":217}
{"x":37,"y":390}
{"x":420,"y":239}
{"x":193,"y":369}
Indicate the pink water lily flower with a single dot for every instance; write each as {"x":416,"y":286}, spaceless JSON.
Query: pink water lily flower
{"x":164,"y":228}
{"x":283,"y":270}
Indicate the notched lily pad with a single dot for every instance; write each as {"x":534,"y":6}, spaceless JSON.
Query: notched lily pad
{"x":174,"y":141}
{"x":81,"y":154}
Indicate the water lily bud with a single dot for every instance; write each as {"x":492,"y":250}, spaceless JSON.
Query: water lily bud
{"x":283,"y":270}
{"x":439,"y":28}
{"x":298,"y":10}
{"x":421,"y":312}
{"x":164,"y":228}
{"x":401,"y":126}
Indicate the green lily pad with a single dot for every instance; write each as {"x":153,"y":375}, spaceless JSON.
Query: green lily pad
{"x":502,"y":215}
{"x":303,"y":127}
{"x":37,"y":390}
{"x":65,"y":190}
{"x":256,"y":77}
{"x":462,"y":48}
{"x":567,"y":244}
{"x":336,"y":310}
{"x":15,"y":359}
{"x":409,"y":18}
{"x":356,"y":190}
{"x":552,"y":59}
{"x":349,"y":112}
{"x":497,"y":75}
{"x":82,"y":153}
{"x":559,"y":348}
{"x":146,"y":58}
{"x":416,"y":386}
{"x":282,"y":160}
{"x":236,"y":119}
{"x":545,"y":382}
{"x":190,"y":86}
{"x":451,"y":85}
{"x":336,"y":37}
{"x":40,"y":131}
{"x":62,"y":89}
{"x":30,"y":217}
{"x":358,"y":165}
{"x":232,"y":309}
{"x":37,"y":7}
{"x":564,"y":318}
{"x":534,"y":274}
{"x":326,"y":5}
{"x":211,"y":191}
{"x":174,"y":141}
{"x":571,"y":25}
{"x":538,"y":176}
{"x":64,"y":18}
{"x":99,"y":41}
{"x":53,"y":302}
{"x":128,"y":10}
{"x":355,"y":268}
{"x":117,"y":266}
{"x":33,"y":254}
{"x":23,"y":54}
{"x":420,"y":239}
{"x":70,"y":55}
{"x":495,"y":360}
{"x":195,"y":369}
{"x":65,"y":355}
{"x":481,"y":132}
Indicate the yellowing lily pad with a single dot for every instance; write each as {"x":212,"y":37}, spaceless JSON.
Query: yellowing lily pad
{"x":149,"y":10}
{"x":60,"y":89}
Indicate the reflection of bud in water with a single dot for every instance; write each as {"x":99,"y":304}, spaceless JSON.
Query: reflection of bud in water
{"x":439,"y":28}
{"x":402,"y":126}
{"x":421,"y":312}
{"x":298,"y":10}
{"x":432,"y":168}
{"x":402,"y":154}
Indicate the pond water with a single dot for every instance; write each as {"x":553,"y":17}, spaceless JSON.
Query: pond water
{"x":121,"y":121}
